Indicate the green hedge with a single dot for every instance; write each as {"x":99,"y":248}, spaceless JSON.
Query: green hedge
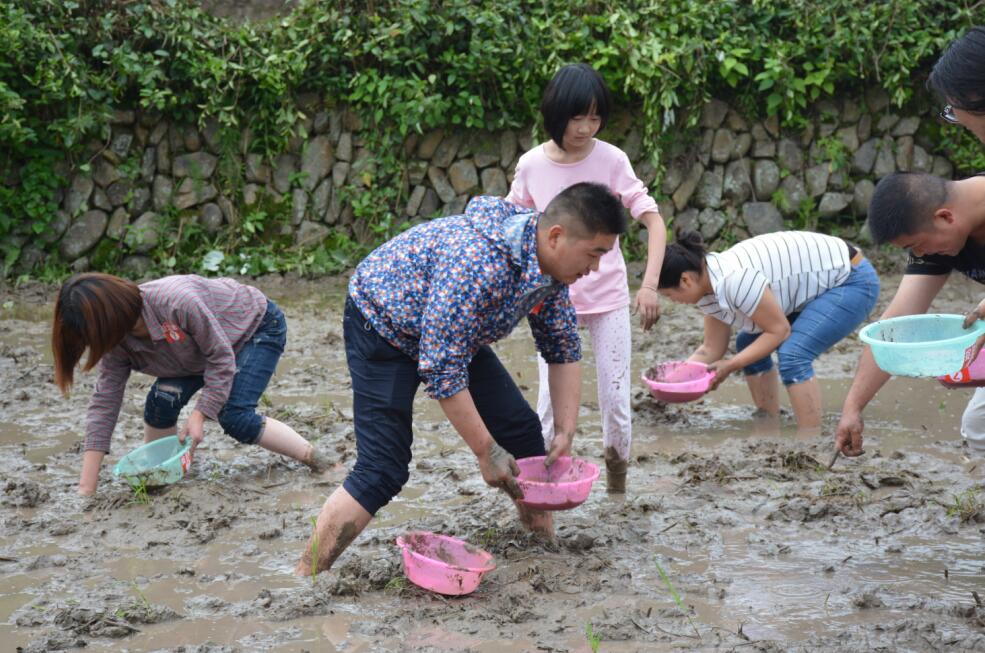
{"x":411,"y":65}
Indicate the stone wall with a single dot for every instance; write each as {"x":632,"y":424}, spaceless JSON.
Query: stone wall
{"x":745,"y":178}
{"x":739,"y":177}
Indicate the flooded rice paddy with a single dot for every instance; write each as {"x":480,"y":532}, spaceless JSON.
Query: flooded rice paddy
{"x":765,"y":548}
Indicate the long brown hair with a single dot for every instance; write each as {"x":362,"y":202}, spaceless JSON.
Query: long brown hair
{"x":94,"y":311}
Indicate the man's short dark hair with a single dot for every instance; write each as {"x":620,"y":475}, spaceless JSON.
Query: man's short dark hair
{"x":904,"y":204}
{"x":574,"y":90}
{"x":588,"y":209}
{"x":959,"y":75}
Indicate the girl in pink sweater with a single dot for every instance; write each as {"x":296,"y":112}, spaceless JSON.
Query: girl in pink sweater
{"x":575,"y":108}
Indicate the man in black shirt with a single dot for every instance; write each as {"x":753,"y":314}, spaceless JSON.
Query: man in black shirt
{"x":946,"y":232}
{"x":942,"y":223}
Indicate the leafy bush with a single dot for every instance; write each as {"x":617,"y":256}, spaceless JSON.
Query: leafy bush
{"x":411,"y":65}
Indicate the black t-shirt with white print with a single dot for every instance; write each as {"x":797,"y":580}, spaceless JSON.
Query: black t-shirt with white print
{"x":970,"y":261}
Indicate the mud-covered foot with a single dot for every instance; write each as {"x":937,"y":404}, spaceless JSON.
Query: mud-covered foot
{"x":615,"y":475}
{"x":317,"y":461}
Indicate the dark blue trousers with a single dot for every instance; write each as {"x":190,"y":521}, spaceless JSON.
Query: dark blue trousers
{"x":384,"y":382}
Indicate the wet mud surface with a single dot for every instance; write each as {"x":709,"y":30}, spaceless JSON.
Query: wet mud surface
{"x":766,"y":548}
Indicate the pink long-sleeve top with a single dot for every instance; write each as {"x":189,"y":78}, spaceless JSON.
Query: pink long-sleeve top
{"x":196,"y":326}
{"x":538,"y":180}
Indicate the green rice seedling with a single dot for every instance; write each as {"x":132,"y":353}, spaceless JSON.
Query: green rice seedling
{"x":594,"y":640}
{"x":143,"y":599}
{"x":140,"y":495}
{"x":966,"y":505}
{"x":487,"y":537}
{"x":396,"y":584}
{"x":860,"y":498}
{"x":314,"y":548}
{"x":676,"y":597}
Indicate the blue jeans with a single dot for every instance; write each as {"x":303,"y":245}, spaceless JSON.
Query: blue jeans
{"x":255,"y":364}
{"x":825,"y":320}
{"x":384,"y":382}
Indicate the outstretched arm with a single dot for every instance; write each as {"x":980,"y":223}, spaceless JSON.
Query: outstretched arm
{"x":769,"y":317}
{"x":715,"y":344}
{"x":565,"y":382}
{"x":914,"y":296}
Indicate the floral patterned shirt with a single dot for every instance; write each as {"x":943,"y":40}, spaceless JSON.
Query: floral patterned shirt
{"x":442,"y":289}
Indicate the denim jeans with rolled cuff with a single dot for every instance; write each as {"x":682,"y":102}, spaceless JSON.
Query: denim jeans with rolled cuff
{"x":255,"y":364}
{"x":822,"y":322}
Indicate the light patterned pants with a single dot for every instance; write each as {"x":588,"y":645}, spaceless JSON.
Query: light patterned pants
{"x":972,"y":422}
{"x":610,"y":334}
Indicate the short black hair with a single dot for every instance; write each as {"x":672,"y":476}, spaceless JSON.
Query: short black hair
{"x":904,"y":203}
{"x":959,"y":75}
{"x":574,"y":90}
{"x":686,"y":255}
{"x":588,"y":208}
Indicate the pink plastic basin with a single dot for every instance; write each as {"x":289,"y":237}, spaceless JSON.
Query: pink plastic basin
{"x":678,"y":381}
{"x":971,"y":375}
{"x":563,"y":485}
{"x":443,"y":564}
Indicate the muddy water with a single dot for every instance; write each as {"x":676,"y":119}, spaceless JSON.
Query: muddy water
{"x":766,"y":548}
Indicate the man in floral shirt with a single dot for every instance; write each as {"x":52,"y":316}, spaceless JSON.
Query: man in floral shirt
{"x":425,"y":306}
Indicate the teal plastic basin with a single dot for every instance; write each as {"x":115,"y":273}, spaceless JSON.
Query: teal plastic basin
{"x":921,"y":345}
{"x":160,"y":462}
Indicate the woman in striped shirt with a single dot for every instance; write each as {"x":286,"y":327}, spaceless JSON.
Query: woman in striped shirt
{"x":793,"y":292}
{"x":214,"y":335}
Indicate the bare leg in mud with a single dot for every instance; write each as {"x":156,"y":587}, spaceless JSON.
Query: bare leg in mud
{"x":152,"y":433}
{"x":806,"y":401}
{"x":281,"y":438}
{"x":765,"y":391}
{"x":340,"y":521}
{"x":538,"y":522}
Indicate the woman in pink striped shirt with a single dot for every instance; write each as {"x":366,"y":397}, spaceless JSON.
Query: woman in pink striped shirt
{"x":214,"y":335}
{"x":575,"y":108}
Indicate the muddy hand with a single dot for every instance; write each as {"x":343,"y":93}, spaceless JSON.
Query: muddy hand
{"x":560,"y":447}
{"x":194,"y":428}
{"x":722,"y":368}
{"x":970,"y":319}
{"x":976,"y":314}
{"x":848,"y":437}
{"x":648,"y":306}
{"x":499,"y":469}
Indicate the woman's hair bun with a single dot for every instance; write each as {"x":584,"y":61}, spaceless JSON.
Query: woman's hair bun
{"x":691,"y":240}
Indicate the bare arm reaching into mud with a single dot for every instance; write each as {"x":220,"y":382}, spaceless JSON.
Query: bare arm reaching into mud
{"x":565,"y":382}
{"x":914,"y":296}
{"x":498,"y":467}
{"x":769,"y":317}
{"x":92,"y":460}
{"x":715,"y":344}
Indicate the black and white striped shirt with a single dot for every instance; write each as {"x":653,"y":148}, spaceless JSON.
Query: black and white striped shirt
{"x":797,"y":266}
